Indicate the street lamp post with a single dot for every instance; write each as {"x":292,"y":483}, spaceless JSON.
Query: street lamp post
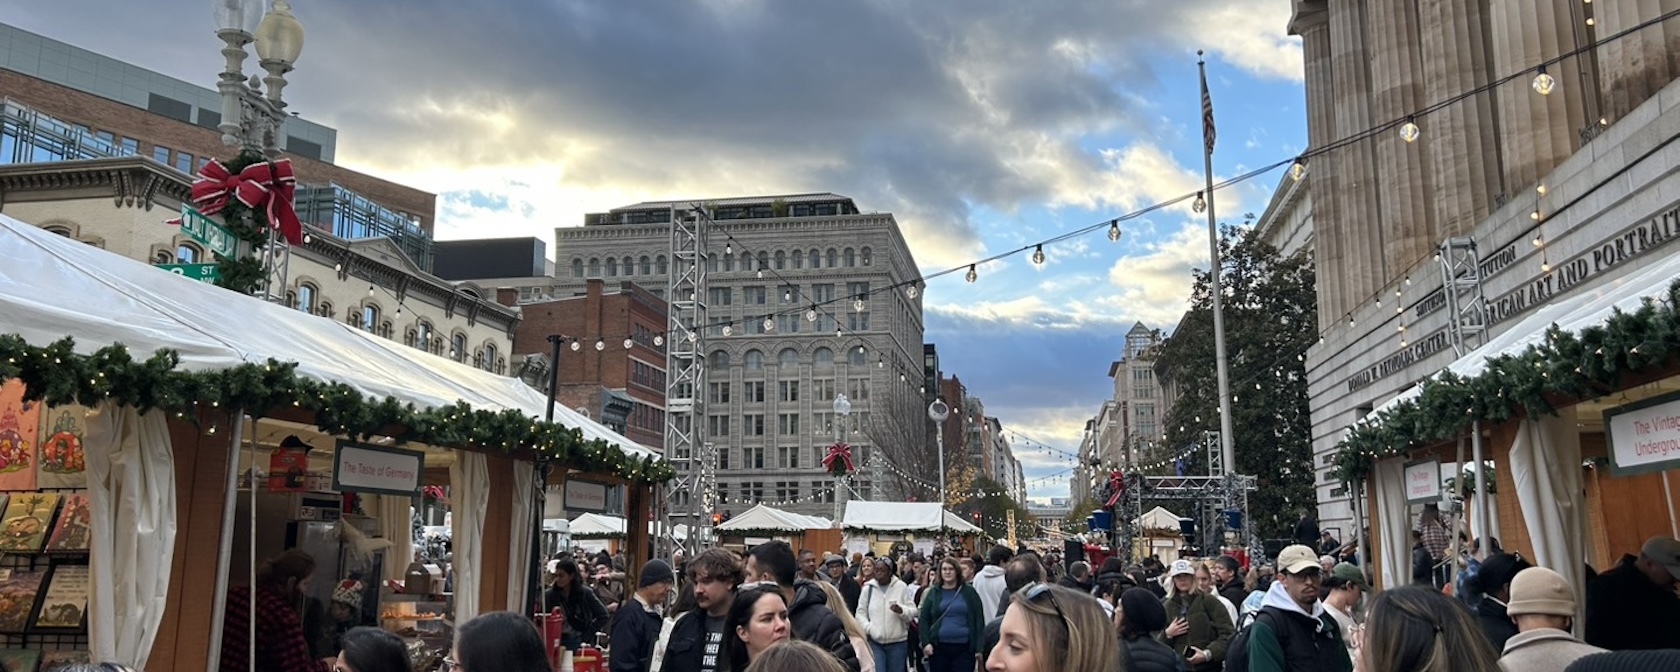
{"x":251,"y":119}
{"x":842,"y":408}
{"x":938,"y":412}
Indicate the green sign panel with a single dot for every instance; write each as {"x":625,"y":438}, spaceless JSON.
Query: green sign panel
{"x":201,"y":272}
{"x":205,"y":230}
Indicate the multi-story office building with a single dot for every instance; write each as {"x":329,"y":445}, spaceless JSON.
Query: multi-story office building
{"x":800,"y":311}
{"x":1129,"y":425}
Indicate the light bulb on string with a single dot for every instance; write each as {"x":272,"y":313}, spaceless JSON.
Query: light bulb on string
{"x":728,"y":330}
{"x":972,"y":274}
{"x":912,"y":291}
{"x":629,"y":343}
{"x":728,"y":248}
{"x":1350,"y":319}
{"x":1114,"y":230}
{"x":658,"y":340}
{"x":576,"y":346}
{"x":338,"y":267}
{"x":1544,"y":83}
{"x":857,"y":304}
{"x":769,"y":324}
{"x":1409,"y":131}
{"x":1038,"y":256}
{"x":1538,"y":241}
{"x":1200,"y":204}
{"x":1298,"y":169}
{"x":692,"y":337}
{"x":811,"y":315}
{"x":600,"y":345}
{"x":370,"y":290}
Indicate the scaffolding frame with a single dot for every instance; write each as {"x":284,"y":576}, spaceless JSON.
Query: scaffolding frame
{"x":685,"y":380}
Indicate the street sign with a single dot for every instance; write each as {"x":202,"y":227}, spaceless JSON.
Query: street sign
{"x":201,"y":272}
{"x":205,"y":230}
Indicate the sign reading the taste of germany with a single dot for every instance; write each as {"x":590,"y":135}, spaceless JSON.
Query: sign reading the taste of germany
{"x":387,"y":471}
{"x":585,"y":496}
{"x":1423,"y":482}
{"x":1644,"y":435}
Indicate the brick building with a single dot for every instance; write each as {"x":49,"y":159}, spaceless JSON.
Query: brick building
{"x":616,"y":373}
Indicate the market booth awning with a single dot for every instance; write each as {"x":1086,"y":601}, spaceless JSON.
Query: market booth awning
{"x":764,"y":518}
{"x":903,"y":517}
{"x":1158,"y":518}
{"x":597,"y":526}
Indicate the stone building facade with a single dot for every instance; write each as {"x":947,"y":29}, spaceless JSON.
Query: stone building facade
{"x":1561,"y":193}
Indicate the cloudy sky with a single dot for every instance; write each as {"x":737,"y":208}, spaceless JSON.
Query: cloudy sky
{"x":983,"y":125}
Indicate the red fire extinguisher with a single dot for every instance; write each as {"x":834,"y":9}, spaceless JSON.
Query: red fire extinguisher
{"x":551,"y":625}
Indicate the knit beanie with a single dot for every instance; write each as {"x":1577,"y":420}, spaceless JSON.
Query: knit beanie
{"x":1538,"y":590}
{"x":1661,"y":660}
{"x":656,"y":571}
{"x":1142,"y":611}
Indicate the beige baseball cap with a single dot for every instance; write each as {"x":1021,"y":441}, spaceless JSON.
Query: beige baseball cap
{"x":1664,"y":550}
{"x":1296,"y":559}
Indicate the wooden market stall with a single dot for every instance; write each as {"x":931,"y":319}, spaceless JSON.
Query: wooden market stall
{"x":876,"y":526}
{"x":763,"y":523}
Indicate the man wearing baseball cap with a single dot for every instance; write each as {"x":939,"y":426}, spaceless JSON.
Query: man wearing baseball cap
{"x":1292,"y":630}
{"x":1633,"y":606}
{"x":1543,"y":607}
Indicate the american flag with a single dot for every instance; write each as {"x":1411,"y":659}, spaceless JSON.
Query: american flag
{"x":1208,"y":133}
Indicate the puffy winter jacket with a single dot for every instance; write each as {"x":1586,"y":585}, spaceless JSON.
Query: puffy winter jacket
{"x":811,"y":621}
{"x":875,"y":614}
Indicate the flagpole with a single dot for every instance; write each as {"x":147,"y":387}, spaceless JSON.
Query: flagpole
{"x":1227,"y":438}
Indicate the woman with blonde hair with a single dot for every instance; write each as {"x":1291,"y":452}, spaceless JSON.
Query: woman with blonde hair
{"x":1054,"y":629}
{"x":795,"y":655}
{"x":854,"y":630}
{"x":1418,"y":629}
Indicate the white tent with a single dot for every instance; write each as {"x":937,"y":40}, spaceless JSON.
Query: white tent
{"x":52,"y":286}
{"x":903,"y":516}
{"x":1158,"y":518}
{"x":762,"y":517}
{"x":594,"y":525}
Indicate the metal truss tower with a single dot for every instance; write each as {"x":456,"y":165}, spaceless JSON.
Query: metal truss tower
{"x":1461,"y":283}
{"x":685,"y":367}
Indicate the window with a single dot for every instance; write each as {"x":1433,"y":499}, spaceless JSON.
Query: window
{"x":788,"y":457}
{"x":629,"y":266}
{"x":754,"y":459}
{"x":719,"y":361}
{"x":857,"y":357}
{"x":857,"y":321}
{"x":577,"y":268}
{"x":788,"y":390}
{"x":763,"y":260}
{"x":129,"y":146}
{"x":612,"y":266}
{"x":325,"y":309}
{"x":753,"y":360}
{"x":305,"y":296}
{"x":788,"y":293}
{"x":822,"y":388}
{"x":659,"y":265}
{"x":160,"y":154}
{"x":833,"y":258}
{"x":787,"y":424}
{"x":647,"y":265}
{"x":458,"y":347}
{"x":789,"y":324}
{"x":163,"y":257}
{"x":781,"y":260}
{"x":423,"y":336}
{"x":851,"y":258}
{"x":822,"y":293}
{"x":857,"y":389}
{"x":823,"y":358}
{"x":858,"y":290}
{"x":184,"y":162}
{"x":717,"y":425}
{"x":489,"y":356}
{"x":866,"y":256}
{"x":718,"y":393}
{"x":186,"y":254}
{"x":752,"y":424}
{"x":755,"y":392}
{"x":787,"y":358}
{"x":385,"y":329}
{"x":729,"y":261}
{"x":723,"y":464}
{"x":594,"y":267}
{"x":798,"y":259}
{"x":816,"y":258}
{"x":754,"y":296}
{"x":370,"y":317}
{"x":720,"y":296}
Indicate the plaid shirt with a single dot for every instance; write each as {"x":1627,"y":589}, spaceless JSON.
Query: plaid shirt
{"x":1434,"y":538}
{"x":280,"y":643}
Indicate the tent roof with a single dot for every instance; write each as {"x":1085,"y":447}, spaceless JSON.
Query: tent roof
{"x":594,"y":524}
{"x":1158,"y":518}
{"x":914,"y":516}
{"x":762,"y":517}
{"x":52,"y":286}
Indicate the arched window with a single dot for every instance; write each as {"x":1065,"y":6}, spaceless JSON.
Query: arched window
{"x":629,"y":266}
{"x":163,"y":257}
{"x":647,"y":265}
{"x":763,"y":260}
{"x":370,"y":317}
{"x":851,"y":258}
{"x":833,"y":258}
{"x":781,"y":260}
{"x":594,"y":267}
{"x":186,"y":254}
{"x":787,"y":358}
{"x":458,"y":347}
{"x":866,"y":257}
{"x":816,"y":259}
{"x":754,"y":360}
{"x":659,"y":265}
{"x":411,"y":338}
{"x":423,"y":336}
{"x":719,"y":361}
{"x":58,"y":231}
{"x":325,"y":309}
{"x":305,"y":298}
{"x":577,"y":268}
{"x":823,"y":358}
{"x":799,"y":259}
{"x":857,"y":357}
{"x":385,"y":329}
{"x":612,"y":266}
{"x":488,"y":356}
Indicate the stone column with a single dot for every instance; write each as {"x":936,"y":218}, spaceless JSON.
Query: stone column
{"x":1635,"y":67}
{"x":1403,"y":169}
{"x":1311,"y":22}
{"x":1463,"y":138}
{"x":1536,"y":132}
{"x":1355,"y":180}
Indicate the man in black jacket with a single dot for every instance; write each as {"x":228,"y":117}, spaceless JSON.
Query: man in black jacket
{"x":849,"y":589}
{"x":808,"y":612}
{"x":1227,"y":576}
{"x":696,"y":642}
{"x":1633,"y":605}
{"x":637,"y":625}
{"x":1020,"y":572}
{"x":1078,"y":578}
{"x":1495,"y":581}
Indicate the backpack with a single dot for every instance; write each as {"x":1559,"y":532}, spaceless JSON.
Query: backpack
{"x":1236,"y":654}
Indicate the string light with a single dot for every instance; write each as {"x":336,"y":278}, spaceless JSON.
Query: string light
{"x":769,"y":325}
{"x":1114,"y":230}
{"x":1200,"y":204}
{"x":1543,"y":83}
{"x":1298,"y":169}
{"x":728,"y":330}
{"x":1038,"y":256}
{"x":857,"y":304}
{"x":576,"y":346}
{"x":972,"y":274}
{"x":912,"y":290}
{"x":811,"y":315}
{"x":1409,"y":131}
{"x":629,"y":343}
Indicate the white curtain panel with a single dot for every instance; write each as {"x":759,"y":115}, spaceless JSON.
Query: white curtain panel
{"x":131,"y":494}
{"x":1546,"y":466}
{"x":1393,"y":521}
{"x":519,"y":552}
{"x":469,"y":480}
{"x":396,"y":524}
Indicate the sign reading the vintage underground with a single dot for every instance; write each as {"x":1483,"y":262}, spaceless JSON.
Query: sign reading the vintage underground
{"x":1644,"y":237}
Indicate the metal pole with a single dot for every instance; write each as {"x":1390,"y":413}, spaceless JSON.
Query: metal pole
{"x":941,"y":433}
{"x":251,"y":618}
{"x":533,"y":574}
{"x":1227,"y":437}
{"x":839,"y":433}
{"x":224,"y":551}
{"x":1481,"y":513}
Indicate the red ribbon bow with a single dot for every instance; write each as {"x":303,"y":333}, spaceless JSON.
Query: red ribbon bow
{"x":1116,"y":487}
{"x":269,"y":185}
{"x":841,"y":452}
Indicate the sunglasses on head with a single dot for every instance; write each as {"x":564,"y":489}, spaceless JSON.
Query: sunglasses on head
{"x":1035,"y":590}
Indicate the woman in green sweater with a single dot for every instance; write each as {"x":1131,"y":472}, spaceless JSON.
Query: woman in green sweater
{"x":951,"y":622}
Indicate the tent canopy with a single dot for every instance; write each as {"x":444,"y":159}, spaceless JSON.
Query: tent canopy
{"x":762,"y":517}
{"x":1158,"y":518}
{"x":52,"y":287}
{"x":903,"y":516}
{"x":597,"y":526}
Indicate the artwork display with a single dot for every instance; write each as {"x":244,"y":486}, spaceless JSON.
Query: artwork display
{"x":66,"y":602}
{"x":20,"y":660}
{"x":19,"y":431}
{"x":27,"y":520}
{"x":18,"y":591}
{"x":62,"y":459}
{"x":74,"y":530}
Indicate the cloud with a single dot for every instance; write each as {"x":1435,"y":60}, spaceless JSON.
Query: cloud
{"x":1156,"y":286}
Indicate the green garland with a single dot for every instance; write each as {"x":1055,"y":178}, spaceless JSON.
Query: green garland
{"x":57,"y":375}
{"x":1581,"y":366}
{"x":242,"y":274}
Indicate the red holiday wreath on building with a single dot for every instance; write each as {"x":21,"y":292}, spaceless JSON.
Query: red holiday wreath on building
{"x":838,"y":461}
